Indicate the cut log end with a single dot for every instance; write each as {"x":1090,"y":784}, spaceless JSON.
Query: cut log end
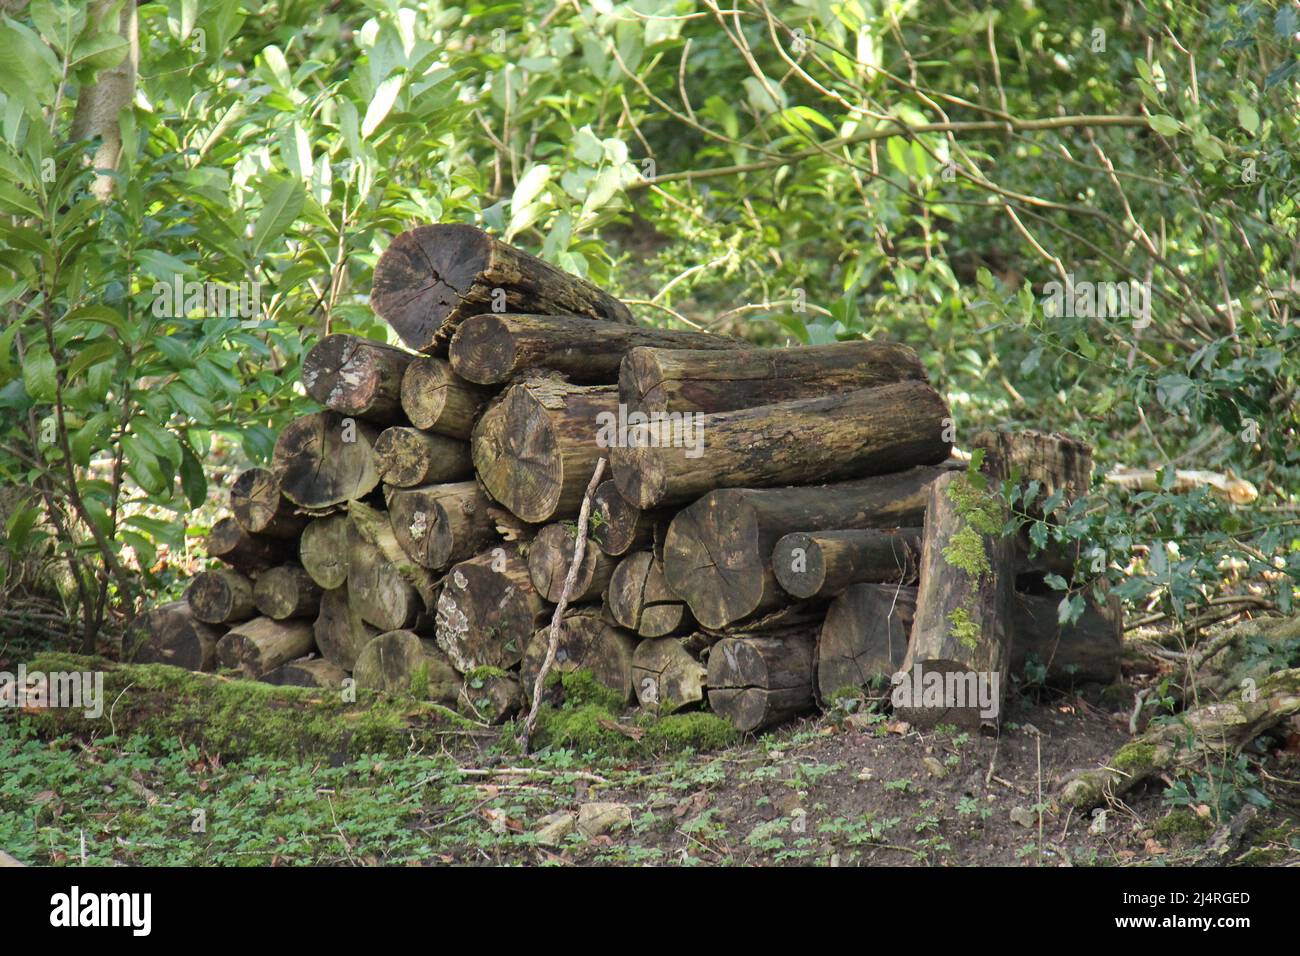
{"x":326,"y":459}
{"x":356,"y":376}
{"x":436,"y":399}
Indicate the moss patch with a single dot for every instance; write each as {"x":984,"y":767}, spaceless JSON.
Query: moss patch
{"x":1182,"y":825}
{"x":1134,"y":757}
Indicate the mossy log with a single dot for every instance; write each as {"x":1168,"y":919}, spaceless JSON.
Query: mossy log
{"x":717,"y":552}
{"x":339,"y":629}
{"x":436,"y":399}
{"x":401,"y":662}
{"x":535,"y":448}
{"x":618,"y":526}
{"x":261,"y":645}
{"x":821,"y":564}
{"x":325,"y":459}
{"x":323,"y":550}
{"x":756,"y":680}
{"x":386,"y":587}
{"x":870,"y":431}
{"x":407,"y":457}
{"x":666,"y":675}
{"x":549,"y":555}
{"x":285,"y":592}
{"x":963,"y":610}
{"x":356,"y":376}
{"x":440,"y":524}
{"x":640,"y":600}
{"x":491,"y":348}
{"x":587,"y":641}
{"x":1211,"y":733}
{"x":221,"y":596}
{"x":171,"y":634}
{"x":246,"y":553}
{"x":432,"y":278}
{"x":260,"y":508}
{"x":316,"y":672}
{"x":488,"y":610}
{"x":491,"y":695}
{"x":863,"y":641}
{"x":691,"y":380}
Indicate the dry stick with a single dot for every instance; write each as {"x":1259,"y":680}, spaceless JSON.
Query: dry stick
{"x":553,"y":640}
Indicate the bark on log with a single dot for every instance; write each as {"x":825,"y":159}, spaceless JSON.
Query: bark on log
{"x":850,"y":435}
{"x":260,"y":508}
{"x":488,"y":610}
{"x":285,"y":592}
{"x":690,"y":380}
{"x":536,"y":447}
{"x":339,"y":629}
{"x":492,"y":348}
{"x":587,"y":641}
{"x":549,"y":557}
{"x":171,"y":634}
{"x":1056,"y":461}
{"x":407,"y":457}
{"x":617,"y":526}
{"x":402,"y":662}
{"x":666,"y":675}
{"x":717,"y":552}
{"x":758,"y":680}
{"x":316,"y":672}
{"x":246,"y":553}
{"x":821,"y":564}
{"x":221,"y":596}
{"x":323,"y":551}
{"x":1087,"y":651}
{"x":863,"y":641}
{"x":431,"y":278}
{"x":261,"y":645}
{"x":491,"y":697}
{"x":640,"y":600}
{"x":961,"y":638}
{"x":358,"y":377}
{"x":436,"y":399}
{"x":441,"y":524}
{"x":324,"y":459}
{"x":388,"y":589}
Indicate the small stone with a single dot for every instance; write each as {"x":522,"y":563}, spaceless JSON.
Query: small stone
{"x":597,"y":818}
{"x":555,"y":827}
{"x":935,"y":768}
{"x":1025,"y":818}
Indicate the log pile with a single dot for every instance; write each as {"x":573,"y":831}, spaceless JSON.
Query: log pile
{"x":780,"y":528}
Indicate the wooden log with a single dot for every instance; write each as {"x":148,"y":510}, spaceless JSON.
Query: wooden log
{"x":863,"y":641}
{"x":323,"y":550}
{"x":957,"y":663}
{"x":854,"y":434}
{"x":440,"y":524}
{"x":171,"y":634}
{"x":640,"y":600}
{"x":260,"y":508}
{"x":666,"y":675}
{"x":756,"y":680}
{"x":339,"y":629}
{"x":691,"y":380}
{"x":356,"y":376}
{"x":717,"y":552}
{"x":1087,"y":651}
{"x":821,"y":564}
{"x":549,"y":557}
{"x":436,"y":399}
{"x":1057,"y":462}
{"x":316,"y":672}
{"x":491,"y":696}
{"x":617,"y":526}
{"x":587,"y":641}
{"x":388,"y":589}
{"x":535,"y":448}
{"x":261,"y":645}
{"x":488,"y":610}
{"x":492,"y":348}
{"x":431,"y":278}
{"x":406,"y":457}
{"x":246,"y":553}
{"x":402,"y":662}
{"x":221,"y":596}
{"x":326,"y":459}
{"x":285,"y":592}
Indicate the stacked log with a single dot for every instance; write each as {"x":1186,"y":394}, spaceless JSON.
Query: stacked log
{"x":781,"y":528}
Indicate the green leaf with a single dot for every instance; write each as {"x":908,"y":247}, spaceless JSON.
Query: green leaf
{"x":39,"y":376}
{"x":1248,"y":118}
{"x":281,"y":203}
{"x":381,"y":104}
{"x":1164,"y":124}
{"x":92,"y":354}
{"x":193,"y":482}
